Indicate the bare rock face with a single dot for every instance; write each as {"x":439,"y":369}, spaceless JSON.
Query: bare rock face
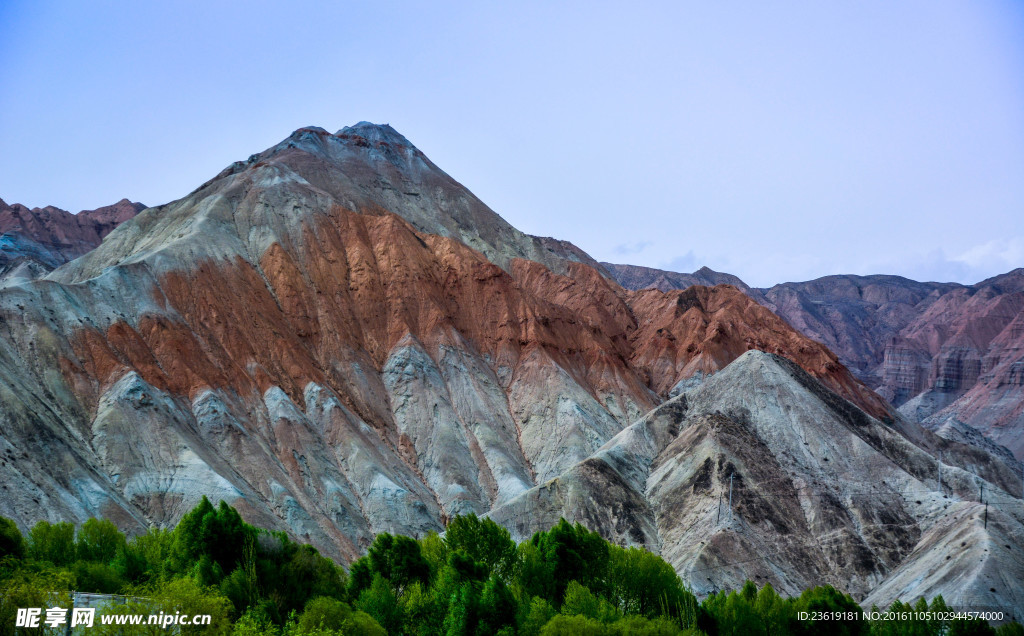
{"x":935,"y":350}
{"x":994,"y":405}
{"x":700,"y":330}
{"x":820,"y":492}
{"x":636,"y":277}
{"x":35,"y":241}
{"x":339,"y":339}
{"x":855,"y":315}
{"x":970,"y":556}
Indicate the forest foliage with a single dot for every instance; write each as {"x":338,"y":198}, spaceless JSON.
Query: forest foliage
{"x":473,"y":580}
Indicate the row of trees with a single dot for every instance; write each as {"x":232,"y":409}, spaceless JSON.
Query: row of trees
{"x":473,"y":580}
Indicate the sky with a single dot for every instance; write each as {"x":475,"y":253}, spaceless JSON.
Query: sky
{"x":778,"y":141}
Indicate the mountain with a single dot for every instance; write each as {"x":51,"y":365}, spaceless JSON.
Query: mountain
{"x":339,"y":339}
{"x":38,"y":240}
{"x":976,"y":376}
{"x":636,"y":277}
{"x":345,"y":340}
{"x":942,"y":352}
{"x":820,"y":493}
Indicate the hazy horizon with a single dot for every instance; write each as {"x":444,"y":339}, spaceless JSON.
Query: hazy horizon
{"x":775,"y":144}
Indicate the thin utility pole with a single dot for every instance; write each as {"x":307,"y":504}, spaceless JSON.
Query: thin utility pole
{"x":941,"y":491}
{"x":730,"y":498}
{"x":719,"y":509}
{"x":982,"y":499}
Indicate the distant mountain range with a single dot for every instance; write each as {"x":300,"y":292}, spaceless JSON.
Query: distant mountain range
{"x":946,"y":354}
{"x":339,"y":339}
{"x":35,"y":241}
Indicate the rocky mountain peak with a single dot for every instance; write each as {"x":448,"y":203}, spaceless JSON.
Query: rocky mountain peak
{"x":278,"y":195}
{"x":379,"y":141}
{"x":375,"y":133}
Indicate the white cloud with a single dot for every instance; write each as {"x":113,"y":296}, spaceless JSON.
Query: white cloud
{"x":686,"y":263}
{"x":968,"y":266}
{"x":629,"y":249}
{"x":1002,"y":254}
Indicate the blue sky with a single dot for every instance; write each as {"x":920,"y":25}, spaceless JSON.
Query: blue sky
{"x":777,"y":141}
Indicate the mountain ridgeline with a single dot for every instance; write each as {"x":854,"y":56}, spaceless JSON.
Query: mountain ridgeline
{"x":35,"y":241}
{"x":340,"y":340}
{"x":948,"y":355}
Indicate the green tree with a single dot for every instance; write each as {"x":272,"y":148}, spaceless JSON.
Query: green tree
{"x":777,"y":615}
{"x":44,"y":587}
{"x":579,"y":600}
{"x":362,"y":624}
{"x":461,"y":619}
{"x":96,"y":577}
{"x":144,"y":557}
{"x":360,"y":576}
{"x":380,"y":602}
{"x":54,"y":543}
{"x":733,"y":613}
{"x":574,"y":554}
{"x":210,"y":540}
{"x":484,"y":541}
{"x":640,"y":582}
{"x":643,"y":626}
{"x":466,"y":568}
{"x":98,"y":540}
{"x":497,"y":606}
{"x":536,"y":616}
{"x":534,"y":575}
{"x":576,"y":625}
{"x":938,"y":608}
{"x":435,"y":552}
{"x":307,"y":575}
{"x":398,"y":559}
{"x":423,"y":613}
{"x":12,"y":544}
{"x":255,"y":623}
{"x":324,"y":612}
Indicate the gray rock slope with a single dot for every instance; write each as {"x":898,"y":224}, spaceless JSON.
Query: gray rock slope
{"x":821,"y":493}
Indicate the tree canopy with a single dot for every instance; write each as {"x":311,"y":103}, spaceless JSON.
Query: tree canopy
{"x":472,"y":580}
